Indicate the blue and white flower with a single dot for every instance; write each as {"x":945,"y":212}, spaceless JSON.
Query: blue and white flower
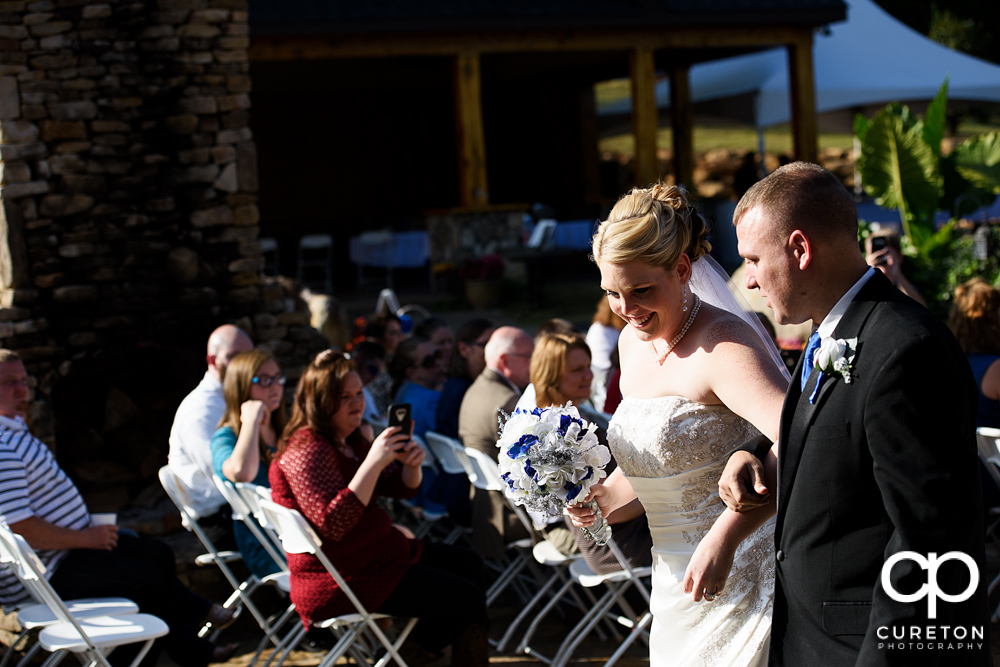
{"x":549,"y":458}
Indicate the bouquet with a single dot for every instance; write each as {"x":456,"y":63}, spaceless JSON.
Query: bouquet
{"x":549,"y":459}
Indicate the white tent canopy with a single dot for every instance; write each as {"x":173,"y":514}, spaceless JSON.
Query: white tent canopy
{"x":869,"y":59}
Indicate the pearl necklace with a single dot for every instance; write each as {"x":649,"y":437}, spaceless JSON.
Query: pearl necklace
{"x":678,"y":337}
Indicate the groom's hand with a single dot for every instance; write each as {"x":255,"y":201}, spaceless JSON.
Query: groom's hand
{"x":742,"y":486}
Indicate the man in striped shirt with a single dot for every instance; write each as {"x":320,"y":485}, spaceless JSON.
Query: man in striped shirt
{"x":42,"y":504}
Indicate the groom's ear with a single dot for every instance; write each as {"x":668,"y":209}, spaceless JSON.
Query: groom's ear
{"x":801,"y":248}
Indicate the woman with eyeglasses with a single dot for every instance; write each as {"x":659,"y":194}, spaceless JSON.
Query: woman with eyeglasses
{"x":247,"y":437}
{"x":327,"y":470}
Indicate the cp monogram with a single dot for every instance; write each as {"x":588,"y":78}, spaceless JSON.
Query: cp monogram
{"x":930,"y":590}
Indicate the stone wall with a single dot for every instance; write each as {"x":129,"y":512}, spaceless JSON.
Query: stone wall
{"x":128,"y":181}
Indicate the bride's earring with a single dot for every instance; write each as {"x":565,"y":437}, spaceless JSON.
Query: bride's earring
{"x":685,"y":308}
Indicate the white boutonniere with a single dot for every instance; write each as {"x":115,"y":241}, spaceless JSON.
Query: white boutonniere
{"x":836,"y":356}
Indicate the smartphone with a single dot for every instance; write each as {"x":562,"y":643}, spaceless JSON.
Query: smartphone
{"x":879,"y":243}
{"x":399,"y":415}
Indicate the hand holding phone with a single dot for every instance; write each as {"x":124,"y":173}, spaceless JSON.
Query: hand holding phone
{"x":399,"y":415}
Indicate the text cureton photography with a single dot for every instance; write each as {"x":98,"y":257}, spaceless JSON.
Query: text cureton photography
{"x":930,"y":637}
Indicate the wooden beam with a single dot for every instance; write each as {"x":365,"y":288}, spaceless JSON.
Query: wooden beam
{"x":365,"y":45}
{"x":802,"y":97}
{"x":645,"y":121}
{"x":682,"y":121}
{"x":473,"y":186}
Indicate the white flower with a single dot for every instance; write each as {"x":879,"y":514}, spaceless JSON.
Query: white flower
{"x":835,"y":356}
{"x":829,"y":352}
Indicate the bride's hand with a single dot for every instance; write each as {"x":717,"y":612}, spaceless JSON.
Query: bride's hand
{"x":582,"y":515}
{"x":709,"y":568}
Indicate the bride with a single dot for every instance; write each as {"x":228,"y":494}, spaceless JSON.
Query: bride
{"x":698,"y":380}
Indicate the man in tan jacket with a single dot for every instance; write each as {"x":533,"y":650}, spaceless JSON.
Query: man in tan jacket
{"x":508,"y":357}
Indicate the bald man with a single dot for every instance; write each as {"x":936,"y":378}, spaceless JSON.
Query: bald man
{"x":197,"y":419}
{"x":508,"y":359}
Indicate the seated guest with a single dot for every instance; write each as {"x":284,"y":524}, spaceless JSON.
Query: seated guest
{"x":560,"y":371}
{"x":417,"y":371}
{"x":39,"y":502}
{"x":326,"y":470}
{"x":975,"y":321}
{"x":248,"y":434}
{"x":553,"y":326}
{"x":468,"y":359}
{"x":602,"y":338}
{"x":197,"y":417}
{"x":369,"y":361}
{"x":387,"y":330}
{"x":508,"y":353}
{"x":558,"y":367}
{"x":438,"y":333}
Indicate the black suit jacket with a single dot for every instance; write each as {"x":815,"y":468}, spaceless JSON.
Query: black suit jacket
{"x":884,"y":464}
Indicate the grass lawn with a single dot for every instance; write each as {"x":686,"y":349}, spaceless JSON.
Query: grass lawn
{"x":777,"y":139}
{"x":710,"y":135}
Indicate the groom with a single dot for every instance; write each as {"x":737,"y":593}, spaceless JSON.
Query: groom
{"x":876,"y":457}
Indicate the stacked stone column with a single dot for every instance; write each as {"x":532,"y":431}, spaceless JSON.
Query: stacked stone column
{"x":128,"y":180}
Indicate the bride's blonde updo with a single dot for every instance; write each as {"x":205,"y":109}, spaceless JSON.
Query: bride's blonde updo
{"x":652,"y":225}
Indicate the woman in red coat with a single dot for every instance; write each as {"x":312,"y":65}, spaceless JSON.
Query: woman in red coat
{"x":328,"y":471}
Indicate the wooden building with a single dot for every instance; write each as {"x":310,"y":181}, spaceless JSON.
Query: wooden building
{"x":370,"y":114}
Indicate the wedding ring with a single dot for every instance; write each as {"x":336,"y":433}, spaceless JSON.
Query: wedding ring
{"x":709,"y":596}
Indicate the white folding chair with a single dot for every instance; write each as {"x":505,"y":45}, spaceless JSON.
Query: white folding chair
{"x":546,"y":554}
{"x":93,"y":638}
{"x":251,"y":495}
{"x":615,"y":584}
{"x":36,"y":615}
{"x":242,"y":590}
{"x":244,"y":512}
{"x":449,"y":453}
{"x":298,"y":536}
{"x":988,"y":441}
{"x":486,"y":476}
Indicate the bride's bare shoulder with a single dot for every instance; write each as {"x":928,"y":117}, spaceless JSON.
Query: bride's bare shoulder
{"x":627,"y":338}
{"x":722,"y":328}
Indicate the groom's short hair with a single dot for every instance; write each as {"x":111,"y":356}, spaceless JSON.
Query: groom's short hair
{"x":802,"y":196}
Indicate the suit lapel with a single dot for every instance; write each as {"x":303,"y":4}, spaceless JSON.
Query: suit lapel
{"x":798,"y":413}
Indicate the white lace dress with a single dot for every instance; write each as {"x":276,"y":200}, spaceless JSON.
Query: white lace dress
{"x":673,"y":450}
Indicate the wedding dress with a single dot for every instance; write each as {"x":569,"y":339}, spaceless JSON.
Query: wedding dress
{"x":672,"y":451}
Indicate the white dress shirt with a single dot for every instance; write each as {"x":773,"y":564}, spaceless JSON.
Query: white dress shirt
{"x":832,"y":319}
{"x":190,"y":455}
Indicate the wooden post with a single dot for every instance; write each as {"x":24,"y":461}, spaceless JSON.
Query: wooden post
{"x":682,"y":121}
{"x":644,"y":117}
{"x":803,"y":98}
{"x":590,"y":160}
{"x":473,"y":186}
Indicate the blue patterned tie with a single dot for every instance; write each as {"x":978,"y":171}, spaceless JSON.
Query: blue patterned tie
{"x":807,"y":363}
